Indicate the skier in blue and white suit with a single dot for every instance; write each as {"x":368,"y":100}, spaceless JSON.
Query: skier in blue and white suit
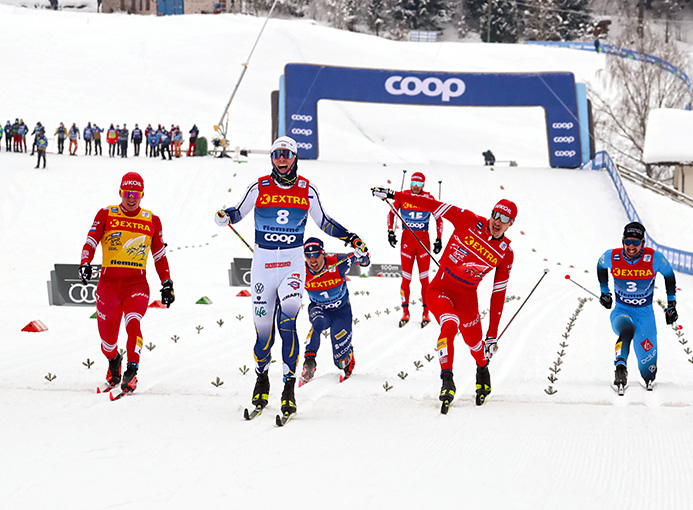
{"x":634,"y":267}
{"x":282,"y":202}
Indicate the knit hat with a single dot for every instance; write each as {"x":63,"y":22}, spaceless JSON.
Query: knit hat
{"x":285,"y":142}
{"x":313,"y":244}
{"x":132,"y":181}
{"x":506,"y":207}
{"x":634,"y":230}
{"x":418,"y":176}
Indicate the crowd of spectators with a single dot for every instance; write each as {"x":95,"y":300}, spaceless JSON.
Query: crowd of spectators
{"x":158,"y":142}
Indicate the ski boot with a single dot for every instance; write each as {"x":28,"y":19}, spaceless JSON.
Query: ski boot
{"x":425,"y":320}
{"x":309,"y":365}
{"x":347,"y":364}
{"x":130,"y":378}
{"x":621,"y":379}
{"x":261,"y":390}
{"x":405,"y":316}
{"x":288,"y":397}
{"x":483,"y":384}
{"x":447,"y":391}
{"x":113,"y":376}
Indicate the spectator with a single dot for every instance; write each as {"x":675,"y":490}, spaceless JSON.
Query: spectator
{"x":111,"y":138}
{"x":177,"y":142}
{"x":22,"y":130}
{"x":88,"y":137}
{"x":147,"y":132}
{"x":136,"y":139}
{"x":38,"y":129}
{"x":73,"y":135}
{"x":16,"y":137}
{"x":165,"y":144}
{"x":194,"y":132}
{"x":61,"y":133}
{"x":41,"y":145}
{"x":153,"y":143}
{"x":1,"y":131}
{"x":8,"y":136}
{"x":123,"y":141}
{"x":97,"y":140}
{"x":489,"y":158}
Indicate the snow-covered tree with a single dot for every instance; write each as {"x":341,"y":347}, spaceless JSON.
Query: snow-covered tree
{"x":499,"y":22}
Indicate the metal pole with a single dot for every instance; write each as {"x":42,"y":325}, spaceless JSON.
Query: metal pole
{"x":241,"y":237}
{"x":567,"y":277}
{"x":331,"y":267}
{"x":523,"y":304}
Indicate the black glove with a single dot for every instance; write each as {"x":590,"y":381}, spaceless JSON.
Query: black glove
{"x":670,"y":313}
{"x":392,"y":238}
{"x":85,"y":272}
{"x":437,"y":246}
{"x":167,"y":294}
{"x":606,"y":300}
{"x":354,"y":241}
{"x":382,"y":193}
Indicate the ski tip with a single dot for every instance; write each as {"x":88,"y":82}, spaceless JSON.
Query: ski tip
{"x":278,"y":421}
{"x":246,"y":414}
{"x":110,"y":395}
{"x":98,"y":390}
{"x":445,"y":407}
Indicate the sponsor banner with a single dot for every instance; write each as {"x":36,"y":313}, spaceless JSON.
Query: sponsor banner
{"x":307,"y":84}
{"x":385,"y":270}
{"x":239,"y":274}
{"x":66,"y":288}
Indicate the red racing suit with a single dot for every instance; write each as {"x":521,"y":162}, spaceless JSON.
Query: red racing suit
{"x":417,"y":220}
{"x":126,"y":240}
{"x":470,"y":254}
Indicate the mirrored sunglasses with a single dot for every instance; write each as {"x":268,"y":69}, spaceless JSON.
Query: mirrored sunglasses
{"x":312,"y":254}
{"x":418,"y":184}
{"x":128,"y":193}
{"x":502,"y":217}
{"x":632,"y":242}
{"x":282,"y":153}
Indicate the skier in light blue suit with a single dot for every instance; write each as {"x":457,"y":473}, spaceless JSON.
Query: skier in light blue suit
{"x":633,"y":268}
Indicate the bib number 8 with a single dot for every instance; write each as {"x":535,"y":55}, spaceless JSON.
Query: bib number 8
{"x":282,"y":216}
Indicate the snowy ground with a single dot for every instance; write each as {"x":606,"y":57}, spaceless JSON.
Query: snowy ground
{"x":181,"y":441}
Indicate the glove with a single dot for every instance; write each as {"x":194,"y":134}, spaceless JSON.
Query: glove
{"x":360,"y":248}
{"x":221,"y":218}
{"x":392,"y":238}
{"x":355,"y":242}
{"x":670,"y":313}
{"x":490,"y":347}
{"x":85,"y":272}
{"x":167,"y":294}
{"x":437,"y":246}
{"x":382,"y":193}
{"x":606,"y":300}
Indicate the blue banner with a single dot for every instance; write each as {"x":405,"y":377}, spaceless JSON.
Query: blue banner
{"x":307,"y":84}
{"x":680,"y":260}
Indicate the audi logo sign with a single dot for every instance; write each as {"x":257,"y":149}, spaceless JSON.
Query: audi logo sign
{"x":66,"y":288}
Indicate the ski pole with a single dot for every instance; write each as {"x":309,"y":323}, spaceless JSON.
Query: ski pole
{"x":567,"y":277}
{"x":523,"y":304}
{"x":404,"y":224}
{"x":440,"y":190}
{"x":241,"y":237}
{"x":328,"y":268}
{"x":401,"y":188}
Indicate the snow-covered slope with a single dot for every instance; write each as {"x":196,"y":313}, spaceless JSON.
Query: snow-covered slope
{"x":181,"y":441}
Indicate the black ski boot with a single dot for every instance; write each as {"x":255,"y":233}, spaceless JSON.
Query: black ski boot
{"x":483,"y":384}
{"x":309,"y":366}
{"x":261,"y":390}
{"x":130,"y":378}
{"x":288,"y":397}
{"x":447,"y":391}
{"x":113,"y":376}
{"x":621,"y":379}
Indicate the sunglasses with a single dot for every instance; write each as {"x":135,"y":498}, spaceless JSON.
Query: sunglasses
{"x":632,"y":242}
{"x":418,"y":184}
{"x":282,"y":153}
{"x":502,"y":217}
{"x":312,"y":254}
{"x":131,"y":194}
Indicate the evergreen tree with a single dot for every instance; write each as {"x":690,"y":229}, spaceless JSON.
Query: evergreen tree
{"x":576,"y":19}
{"x":376,"y":13}
{"x":499,"y":22}
{"x":543,"y":21}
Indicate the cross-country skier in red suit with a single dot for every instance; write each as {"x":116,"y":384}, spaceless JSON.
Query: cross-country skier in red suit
{"x":127,"y":234}
{"x":416,"y":219}
{"x":477,"y":246}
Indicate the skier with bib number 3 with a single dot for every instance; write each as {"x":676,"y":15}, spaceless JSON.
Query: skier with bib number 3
{"x":633,"y":268}
{"x":477,"y":246}
{"x":282,"y":200}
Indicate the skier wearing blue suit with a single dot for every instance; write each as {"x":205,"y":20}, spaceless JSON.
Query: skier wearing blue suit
{"x":329,"y":306}
{"x":633,"y":268}
{"x":282,"y":201}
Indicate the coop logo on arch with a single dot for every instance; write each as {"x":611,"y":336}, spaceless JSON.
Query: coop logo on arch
{"x":431,"y":87}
